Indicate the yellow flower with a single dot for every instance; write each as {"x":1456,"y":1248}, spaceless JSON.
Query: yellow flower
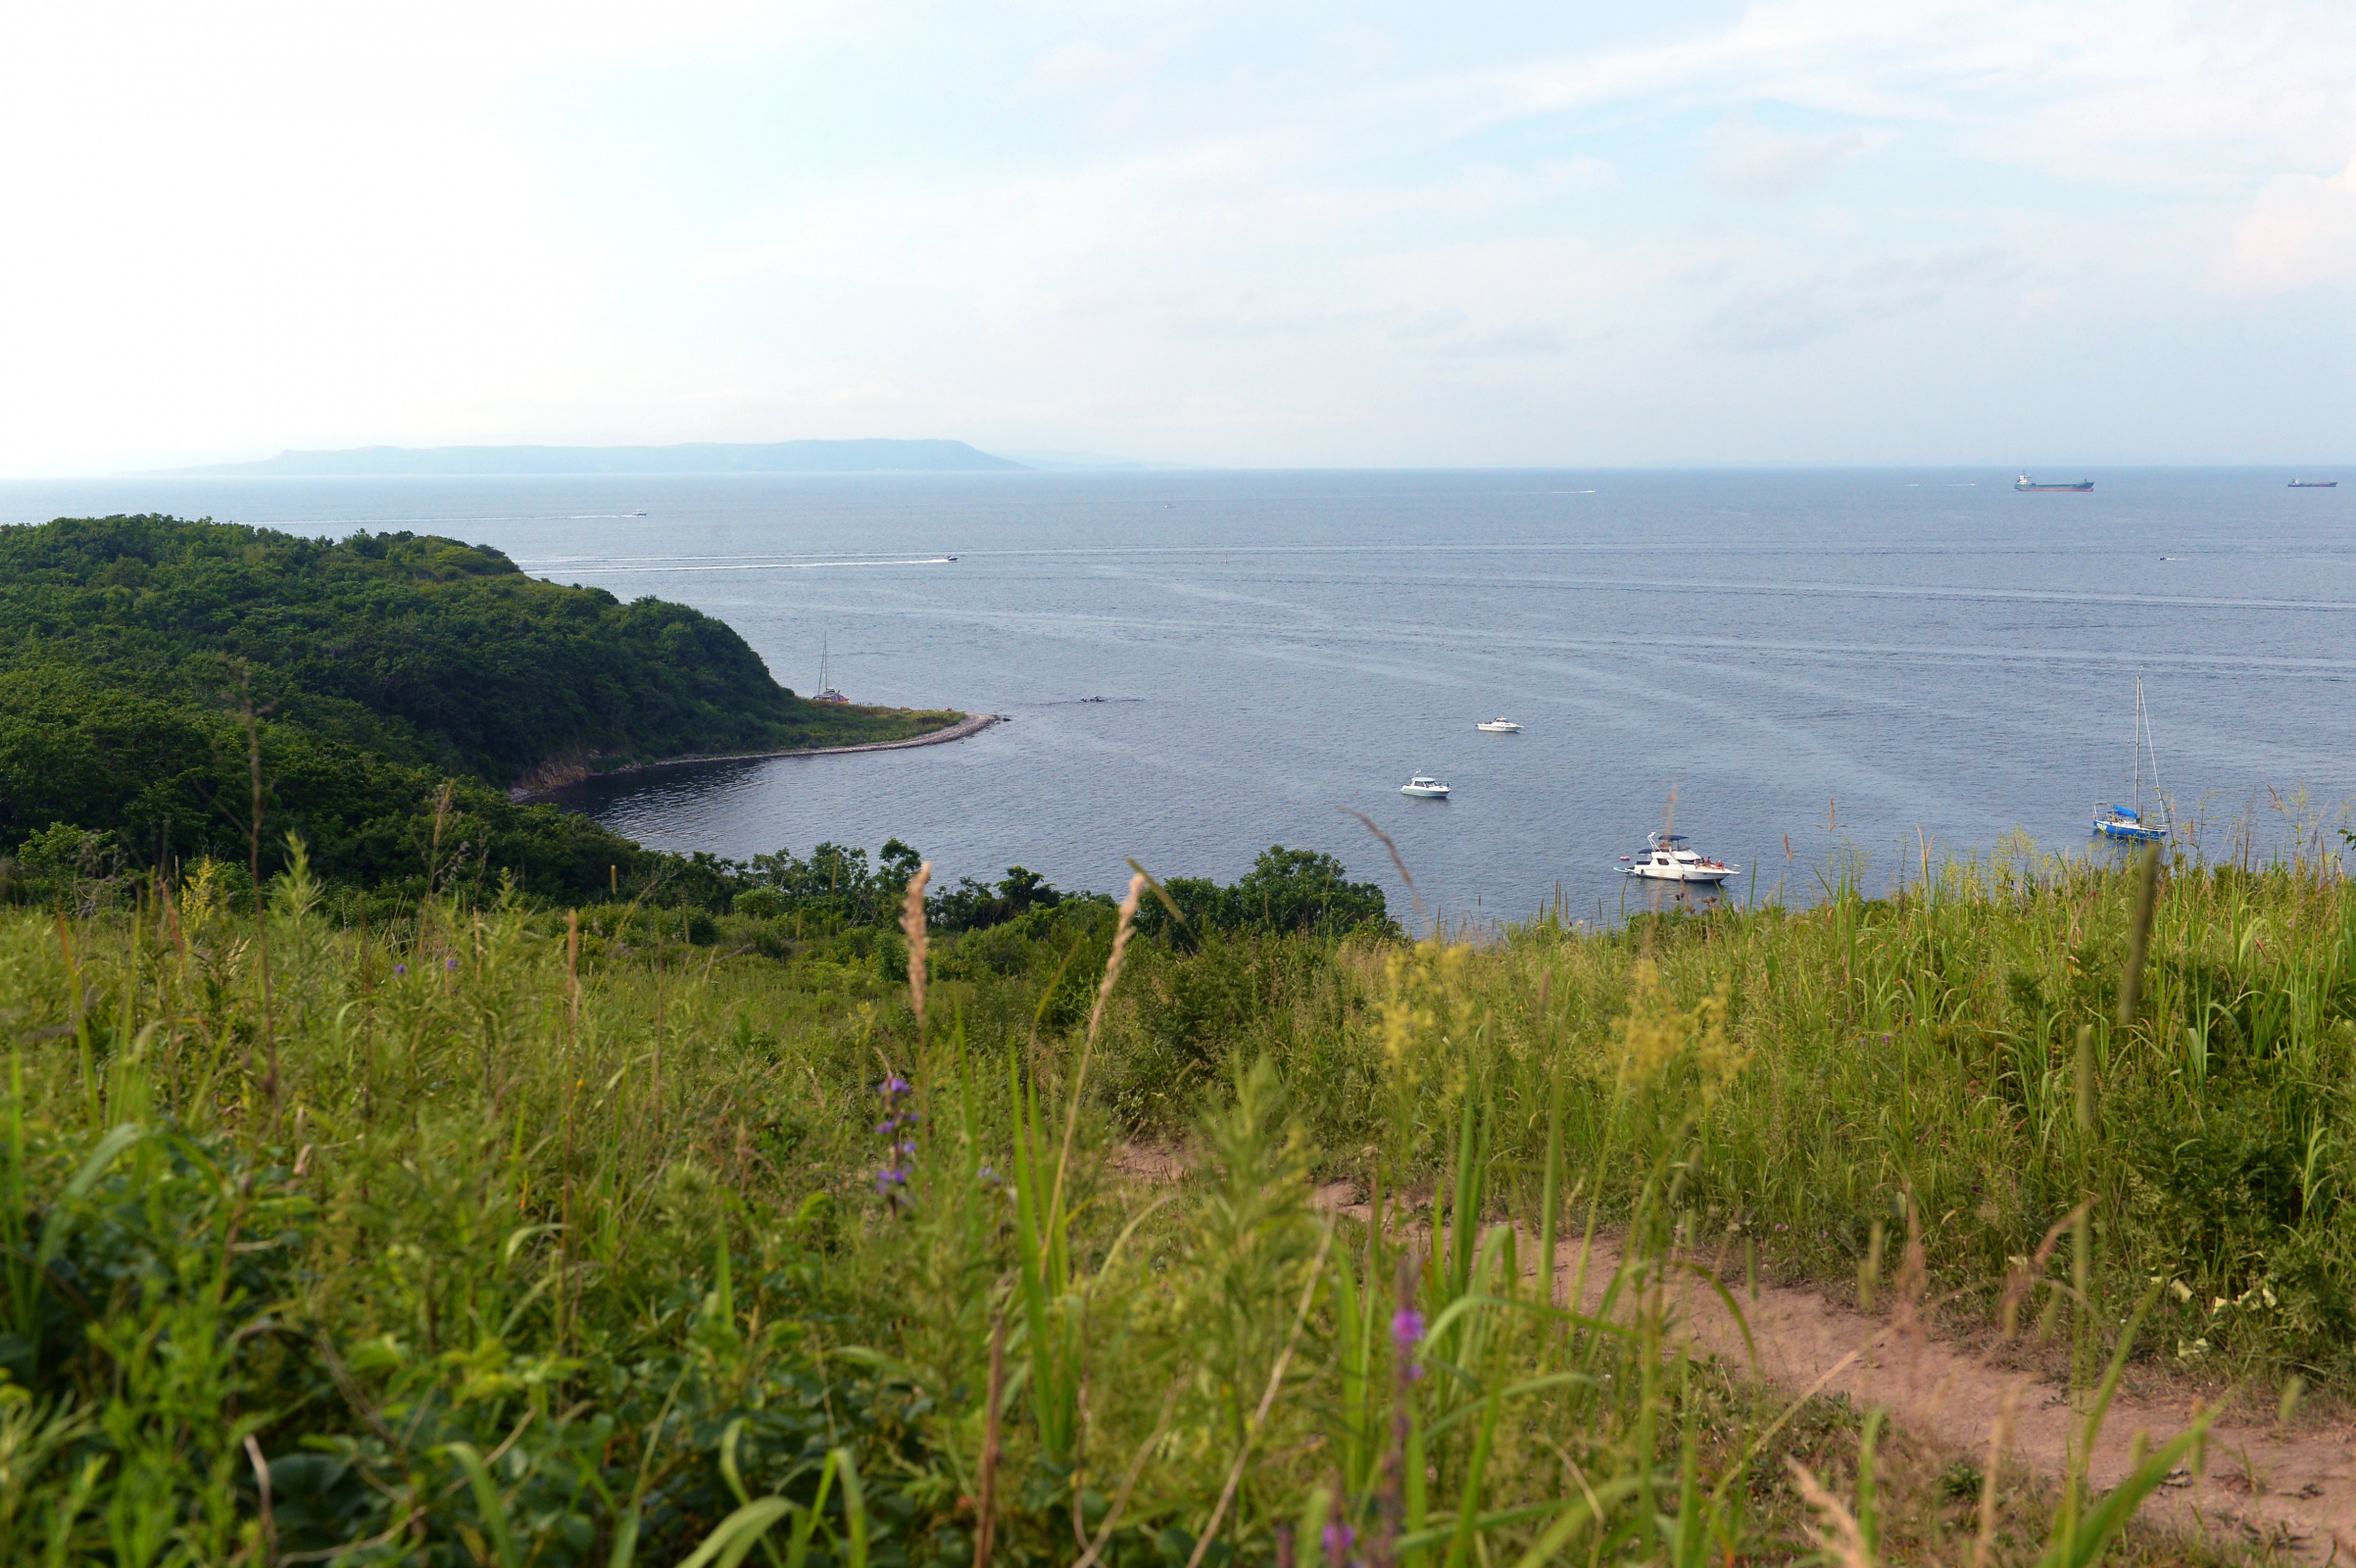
{"x":1656,"y":1033}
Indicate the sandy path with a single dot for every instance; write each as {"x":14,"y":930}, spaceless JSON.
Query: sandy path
{"x":2292,"y":1488}
{"x":2288,"y":1486}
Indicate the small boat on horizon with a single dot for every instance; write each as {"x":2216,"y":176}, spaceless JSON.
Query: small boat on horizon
{"x":2024,"y":482}
{"x":1667,"y":859}
{"x":2113,"y":821}
{"x":1424,"y":788}
{"x":1499,"y":726}
{"x":2315,"y":484}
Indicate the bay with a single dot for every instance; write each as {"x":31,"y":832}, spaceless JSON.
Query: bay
{"x":1198,"y":664}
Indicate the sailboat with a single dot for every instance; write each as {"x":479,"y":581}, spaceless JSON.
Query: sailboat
{"x":826,"y":691}
{"x":2114,"y":821}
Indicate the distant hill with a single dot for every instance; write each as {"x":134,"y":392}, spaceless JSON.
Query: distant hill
{"x":694,"y":457}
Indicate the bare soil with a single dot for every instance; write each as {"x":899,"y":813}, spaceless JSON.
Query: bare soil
{"x":2262,"y":1482}
{"x":2262,"y":1486}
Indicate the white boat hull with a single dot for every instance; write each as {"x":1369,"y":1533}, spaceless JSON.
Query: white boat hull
{"x":1681,"y":873}
{"x":1437,"y":794}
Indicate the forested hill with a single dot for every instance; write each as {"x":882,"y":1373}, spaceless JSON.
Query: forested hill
{"x":129,"y":648}
{"x":421,"y":649}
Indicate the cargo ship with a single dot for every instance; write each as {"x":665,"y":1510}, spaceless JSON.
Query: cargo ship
{"x":2315,"y":484}
{"x":2024,"y":482}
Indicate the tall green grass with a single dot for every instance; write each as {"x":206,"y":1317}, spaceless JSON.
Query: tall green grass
{"x":489,"y":1239}
{"x":1960,"y":1047}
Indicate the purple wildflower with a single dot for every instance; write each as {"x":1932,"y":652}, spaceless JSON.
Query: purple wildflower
{"x":452,"y":966}
{"x":1338,"y":1538}
{"x":1406,"y":1333}
{"x":400,"y":968}
{"x":893,"y":1174}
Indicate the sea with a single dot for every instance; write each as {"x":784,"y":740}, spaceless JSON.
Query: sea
{"x":1802,"y":670}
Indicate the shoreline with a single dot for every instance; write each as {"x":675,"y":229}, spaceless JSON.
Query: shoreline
{"x":970,"y":724}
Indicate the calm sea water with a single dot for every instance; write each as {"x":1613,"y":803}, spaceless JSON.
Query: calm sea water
{"x":1869,"y":659}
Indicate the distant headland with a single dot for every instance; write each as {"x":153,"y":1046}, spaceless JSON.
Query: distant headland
{"x":693,"y":456}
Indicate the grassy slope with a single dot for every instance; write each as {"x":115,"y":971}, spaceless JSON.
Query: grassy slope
{"x":1931,"y":1047}
{"x":422,"y":1193}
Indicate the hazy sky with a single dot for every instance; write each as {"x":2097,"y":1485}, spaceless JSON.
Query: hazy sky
{"x":2035,"y":232}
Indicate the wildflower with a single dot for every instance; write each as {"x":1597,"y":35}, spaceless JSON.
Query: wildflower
{"x":400,"y":968}
{"x":1406,"y":1333}
{"x":893,"y":1174}
{"x":1338,"y":1538}
{"x":452,"y":966}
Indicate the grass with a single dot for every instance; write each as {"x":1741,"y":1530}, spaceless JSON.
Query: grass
{"x":494,"y":1237}
{"x":1960,"y":1048}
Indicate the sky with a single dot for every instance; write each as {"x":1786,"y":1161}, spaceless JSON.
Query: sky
{"x":2020,"y":233}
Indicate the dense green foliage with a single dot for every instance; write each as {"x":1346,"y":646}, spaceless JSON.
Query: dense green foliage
{"x":420,"y":649}
{"x":1286,"y":890}
{"x":375,"y":669}
{"x":489,"y":1240}
{"x":1297,"y":891}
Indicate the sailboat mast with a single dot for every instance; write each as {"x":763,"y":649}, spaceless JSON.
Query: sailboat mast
{"x":2134,"y":752}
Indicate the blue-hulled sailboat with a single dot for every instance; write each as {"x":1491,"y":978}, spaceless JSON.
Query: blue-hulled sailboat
{"x":2114,"y":821}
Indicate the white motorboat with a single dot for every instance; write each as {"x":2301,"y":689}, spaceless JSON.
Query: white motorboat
{"x":1667,"y":859}
{"x":1499,"y":726}
{"x":1424,"y":789}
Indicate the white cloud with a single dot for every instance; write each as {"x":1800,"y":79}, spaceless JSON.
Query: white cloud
{"x":1088,"y":66}
{"x":1793,"y":314}
{"x":2170,"y":92}
{"x":2301,"y":230}
{"x":1217,"y":232}
{"x":1747,"y":159}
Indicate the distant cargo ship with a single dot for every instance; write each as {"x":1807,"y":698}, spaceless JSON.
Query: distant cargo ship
{"x":2315,"y":484}
{"x":2024,"y":482}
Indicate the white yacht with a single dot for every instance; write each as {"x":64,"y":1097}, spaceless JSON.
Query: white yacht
{"x":1666,"y":858}
{"x":1499,"y":726}
{"x":1424,"y":789}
